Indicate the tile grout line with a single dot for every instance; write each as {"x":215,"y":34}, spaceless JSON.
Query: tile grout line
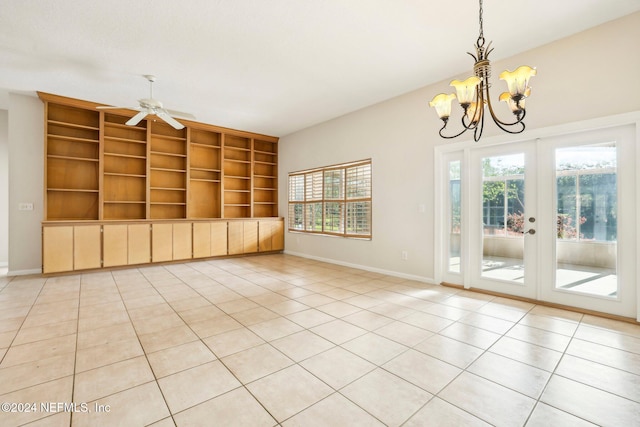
{"x":155,"y":379}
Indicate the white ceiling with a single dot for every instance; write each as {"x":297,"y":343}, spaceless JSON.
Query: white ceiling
{"x":268,"y":66}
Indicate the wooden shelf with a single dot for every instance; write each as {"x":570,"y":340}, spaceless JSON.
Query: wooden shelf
{"x":128,"y":140}
{"x":73,"y":138}
{"x":122,"y":125}
{"x":124,"y":174}
{"x":71,"y":125}
{"x":205,"y":180}
{"x":168,"y":137}
{"x":128,"y":156}
{"x":79,"y":159}
{"x":136,"y":202}
{"x":205,"y":169}
{"x":169,"y":170}
{"x":207,"y":146}
{"x":168,"y":188}
{"x":72,"y":190}
{"x":161,"y":153}
{"x":168,"y":203}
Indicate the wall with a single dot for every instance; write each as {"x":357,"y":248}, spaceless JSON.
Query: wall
{"x":26,"y":183}
{"x":584,"y":76}
{"x":4,"y":188}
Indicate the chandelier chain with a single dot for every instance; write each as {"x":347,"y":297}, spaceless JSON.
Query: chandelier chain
{"x":481,"y":35}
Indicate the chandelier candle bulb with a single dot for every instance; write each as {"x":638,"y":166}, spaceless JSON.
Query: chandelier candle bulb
{"x":466,"y":90}
{"x":442,"y":104}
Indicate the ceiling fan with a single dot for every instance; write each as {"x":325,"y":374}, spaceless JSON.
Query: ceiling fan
{"x":151,"y":106}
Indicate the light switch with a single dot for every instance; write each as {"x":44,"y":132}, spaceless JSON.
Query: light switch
{"x":25,"y":206}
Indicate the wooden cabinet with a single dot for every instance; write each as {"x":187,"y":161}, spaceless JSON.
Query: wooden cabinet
{"x":201,"y":239}
{"x":209,"y":239}
{"x":97,"y":244}
{"x":162,"y":242}
{"x":118,"y":182}
{"x":270,"y":235}
{"x":57,"y":249}
{"x":138,"y":243}
{"x":219,"y":238}
{"x":114,"y":245}
{"x":243,"y":237}
{"x":71,"y":247}
{"x":182,"y":241}
{"x":87,"y":247}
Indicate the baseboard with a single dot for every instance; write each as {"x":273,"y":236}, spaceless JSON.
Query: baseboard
{"x":4,"y":264}
{"x":24,"y":272}
{"x":365,"y":267}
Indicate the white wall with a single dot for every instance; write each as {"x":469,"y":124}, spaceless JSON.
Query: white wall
{"x":588,"y":75}
{"x":26,"y":183}
{"x":4,"y":188}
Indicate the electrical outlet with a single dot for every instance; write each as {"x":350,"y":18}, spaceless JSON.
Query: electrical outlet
{"x":404,"y":255}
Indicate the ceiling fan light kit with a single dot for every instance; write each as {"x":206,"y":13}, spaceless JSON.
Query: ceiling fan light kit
{"x":153,"y":107}
{"x":473,"y":94}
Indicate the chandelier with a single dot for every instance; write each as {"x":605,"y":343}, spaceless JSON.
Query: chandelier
{"x":473,"y":94}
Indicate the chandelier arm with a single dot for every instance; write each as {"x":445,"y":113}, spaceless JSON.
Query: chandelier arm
{"x":453,"y":136}
{"x":477,"y":133}
{"x":503,"y":125}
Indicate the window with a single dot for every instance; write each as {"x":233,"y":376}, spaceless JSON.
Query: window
{"x":333,"y":200}
{"x":587,"y":193}
{"x":503,"y":195}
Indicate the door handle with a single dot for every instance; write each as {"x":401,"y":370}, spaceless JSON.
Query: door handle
{"x":530,"y":231}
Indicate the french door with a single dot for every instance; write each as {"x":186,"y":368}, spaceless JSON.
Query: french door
{"x":551,"y":219}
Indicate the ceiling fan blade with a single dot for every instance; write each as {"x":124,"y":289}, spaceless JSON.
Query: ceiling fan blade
{"x":181,"y":114}
{"x":164,"y":115}
{"x":136,"y":119}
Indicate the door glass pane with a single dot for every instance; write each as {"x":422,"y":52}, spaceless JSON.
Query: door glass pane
{"x":455,"y":209}
{"x":503,"y":215}
{"x":587,"y":226}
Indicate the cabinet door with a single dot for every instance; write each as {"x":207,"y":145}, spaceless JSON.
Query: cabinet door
{"x":57,"y":249}
{"x":265,"y":232}
{"x":162,"y":242}
{"x":182,"y":241}
{"x":219,"y":238}
{"x":114,"y":245}
{"x":201,"y":239}
{"x":250,"y":236}
{"x":236,"y":239}
{"x":277,"y":235}
{"x":139,"y":243}
{"x":87,"y":247}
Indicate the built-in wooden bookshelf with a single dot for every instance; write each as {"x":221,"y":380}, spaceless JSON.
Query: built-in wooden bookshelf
{"x":72,"y":163}
{"x":98,"y":168}
{"x":168,"y":172}
{"x":204,"y":174}
{"x":237,"y":177}
{"x":265,"y":178}
{"x":125,"y":169}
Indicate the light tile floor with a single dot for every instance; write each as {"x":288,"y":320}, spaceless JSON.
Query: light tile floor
{"x":280,"y":340}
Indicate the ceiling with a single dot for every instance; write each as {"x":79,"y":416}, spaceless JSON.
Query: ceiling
{"x":273,"y":66}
